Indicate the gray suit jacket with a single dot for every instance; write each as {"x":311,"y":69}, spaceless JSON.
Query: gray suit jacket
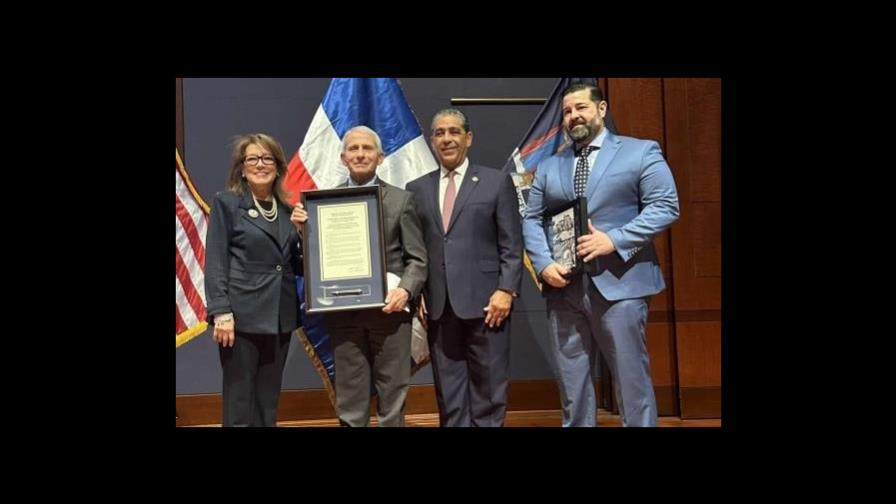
{"x":482,"y":248}
{"x":403,"y":238}
{"x":248,"y":270}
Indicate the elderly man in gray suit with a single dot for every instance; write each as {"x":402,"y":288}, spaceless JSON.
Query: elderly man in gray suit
{"x":375,"y":344}
{"x":472,"y":228}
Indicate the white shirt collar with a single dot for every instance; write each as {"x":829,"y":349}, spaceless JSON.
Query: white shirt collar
{"x":599,"y":139}
{"x":460,"y":170}
{"x":372,"y":181}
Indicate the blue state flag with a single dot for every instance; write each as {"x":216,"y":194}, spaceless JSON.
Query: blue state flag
{"x":544,"y":139}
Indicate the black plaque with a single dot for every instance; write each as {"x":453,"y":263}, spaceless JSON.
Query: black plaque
{"x":344,"y":253}
{"x":563,"y":226}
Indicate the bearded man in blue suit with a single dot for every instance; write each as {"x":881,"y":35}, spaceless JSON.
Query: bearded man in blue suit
{"x":631,"y":198}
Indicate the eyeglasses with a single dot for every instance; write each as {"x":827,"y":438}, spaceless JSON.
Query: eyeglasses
{"x":253,"y":160}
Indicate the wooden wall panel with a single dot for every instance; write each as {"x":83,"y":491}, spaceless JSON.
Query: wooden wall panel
{"x":693,"y":126}
{"x":700,"y":368}
{"x":636,"y":106}
{"x":693,"y":138}
{"x":663,"y":366}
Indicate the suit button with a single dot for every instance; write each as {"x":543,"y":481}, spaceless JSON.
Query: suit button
{"x":445,"y":239}
{"x":279,"y":268}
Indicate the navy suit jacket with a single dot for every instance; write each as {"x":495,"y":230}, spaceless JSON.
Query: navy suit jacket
{"x":248,"y":270}
{"x":480,"y":251}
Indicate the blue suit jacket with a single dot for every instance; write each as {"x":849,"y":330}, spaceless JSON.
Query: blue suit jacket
{"x":631,"y":197}
{"x":482,"y":248}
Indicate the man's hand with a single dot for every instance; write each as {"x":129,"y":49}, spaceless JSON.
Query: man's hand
{"x":594,"y":244}
{"x":554,"y":275}
{"x":396,"y":299}
{"x":422,"y":313}
{"x":498,"y":308}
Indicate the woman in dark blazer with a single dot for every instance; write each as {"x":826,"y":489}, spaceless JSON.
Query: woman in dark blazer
{"x":253,"y":254}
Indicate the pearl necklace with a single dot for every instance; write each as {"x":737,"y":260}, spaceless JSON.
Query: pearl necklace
{"x":269,"y":215}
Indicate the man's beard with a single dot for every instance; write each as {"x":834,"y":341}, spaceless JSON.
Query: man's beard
{"x":580,"y":132}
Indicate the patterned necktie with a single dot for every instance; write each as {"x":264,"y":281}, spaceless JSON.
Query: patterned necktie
{"x":448,"y":204}
{"x":581,"y":177}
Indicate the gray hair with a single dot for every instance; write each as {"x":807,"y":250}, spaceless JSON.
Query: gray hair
{"x":465,"y":123}
{"x":364,"y":129}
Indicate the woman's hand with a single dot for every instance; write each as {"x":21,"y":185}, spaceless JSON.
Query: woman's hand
{"x":223,"y":333}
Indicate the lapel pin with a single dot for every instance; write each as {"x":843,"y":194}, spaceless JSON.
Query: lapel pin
{"x":253,"y":213}
{"x":475,"y":178}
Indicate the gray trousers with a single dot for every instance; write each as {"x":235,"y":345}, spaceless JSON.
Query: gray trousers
{"x":370,"y":346}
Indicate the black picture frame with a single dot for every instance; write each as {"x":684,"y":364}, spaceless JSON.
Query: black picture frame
{"x":358,"y":287}
{"x":563,"y":226}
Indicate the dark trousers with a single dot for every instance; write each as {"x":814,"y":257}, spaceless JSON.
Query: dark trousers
{"x":471,"y":368}
{"x":371,"y":345}
{"x":253,"y":374}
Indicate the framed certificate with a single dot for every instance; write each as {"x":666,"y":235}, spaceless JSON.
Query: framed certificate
{"x":563,"y":226}
{"x":344,"y":253}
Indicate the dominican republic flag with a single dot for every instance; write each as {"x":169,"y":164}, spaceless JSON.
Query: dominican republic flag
{"x":376,"y":103}
{"x":380,"y":105}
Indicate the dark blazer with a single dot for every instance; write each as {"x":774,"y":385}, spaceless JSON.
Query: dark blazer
{"x":248,"y":270}
{"x":482,"y":248}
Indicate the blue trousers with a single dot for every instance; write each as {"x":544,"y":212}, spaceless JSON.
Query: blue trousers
{"x":582,"y":321}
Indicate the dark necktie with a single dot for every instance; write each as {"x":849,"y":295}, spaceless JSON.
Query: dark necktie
{"x":581,"y":177}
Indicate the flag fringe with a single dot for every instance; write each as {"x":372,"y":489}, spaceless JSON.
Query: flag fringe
{"x":191,"y":333}
{"x":528,"y":263}
{"x":193,"y":191}
{"x":416,"y":367}
{"x":318,"y":366}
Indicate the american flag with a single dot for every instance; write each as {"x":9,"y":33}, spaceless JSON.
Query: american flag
{"x":191,"y":223}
